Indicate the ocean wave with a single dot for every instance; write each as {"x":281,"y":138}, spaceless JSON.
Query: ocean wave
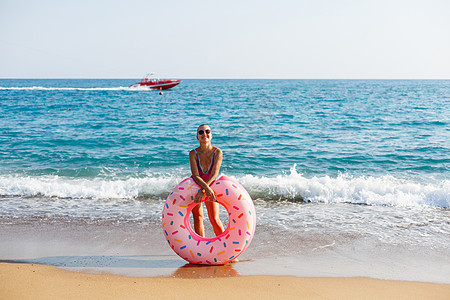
{"x":98,"y":188}
{"x":41,"y":88}
{"x":369,"y":190}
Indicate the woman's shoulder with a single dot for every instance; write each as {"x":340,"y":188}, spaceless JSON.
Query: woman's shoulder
{"x":193,"y":152}
{"x":217,"y":150}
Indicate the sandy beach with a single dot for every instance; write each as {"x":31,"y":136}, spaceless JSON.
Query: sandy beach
{"x":30,"y":281}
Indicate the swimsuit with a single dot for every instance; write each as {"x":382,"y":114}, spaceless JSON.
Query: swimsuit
{"x":205,"y":175}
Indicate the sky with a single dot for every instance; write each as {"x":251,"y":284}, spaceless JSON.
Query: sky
{"x":301,"y":39}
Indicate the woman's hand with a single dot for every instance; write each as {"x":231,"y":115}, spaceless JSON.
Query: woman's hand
{"x":199,"y":196}
{"x":210,"y":194}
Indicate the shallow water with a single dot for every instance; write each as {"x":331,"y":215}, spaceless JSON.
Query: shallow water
{"x":330,"y":240}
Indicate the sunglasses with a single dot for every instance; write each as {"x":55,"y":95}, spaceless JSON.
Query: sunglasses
{"x":201,"y":132}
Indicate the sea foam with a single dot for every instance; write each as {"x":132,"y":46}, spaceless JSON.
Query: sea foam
{"x":41,"y":88}
{"x":368,"y":190}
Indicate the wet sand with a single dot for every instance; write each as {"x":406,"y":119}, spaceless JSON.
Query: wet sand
{"x":60,"y":260}
{"x":139,"y":250}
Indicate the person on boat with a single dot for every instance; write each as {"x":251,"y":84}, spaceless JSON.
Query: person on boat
{"x":205,"y":164}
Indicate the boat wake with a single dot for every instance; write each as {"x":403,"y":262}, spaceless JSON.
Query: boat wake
{"x":42,"y":88}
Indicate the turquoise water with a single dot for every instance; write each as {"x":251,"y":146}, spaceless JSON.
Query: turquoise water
{"x":100,"y":129}
{"x":369,"y":158}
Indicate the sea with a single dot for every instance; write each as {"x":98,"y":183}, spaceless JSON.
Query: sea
{"x":348,"y":177}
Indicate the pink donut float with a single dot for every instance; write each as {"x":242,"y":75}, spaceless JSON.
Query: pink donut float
{"x":217,"y":250}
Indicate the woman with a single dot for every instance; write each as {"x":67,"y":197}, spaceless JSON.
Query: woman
{"x":205,"y":165}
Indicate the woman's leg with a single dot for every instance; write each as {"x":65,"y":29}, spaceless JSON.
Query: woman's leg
{"x":213,"y":214}
{"x":197,"y":213}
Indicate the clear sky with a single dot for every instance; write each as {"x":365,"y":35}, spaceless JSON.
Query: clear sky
{"x":225,"y":39}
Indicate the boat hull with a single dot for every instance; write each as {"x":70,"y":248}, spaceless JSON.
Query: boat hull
{"x":157,"y":85}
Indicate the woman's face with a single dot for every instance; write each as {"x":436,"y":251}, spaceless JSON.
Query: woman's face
{"x":204,"y":134}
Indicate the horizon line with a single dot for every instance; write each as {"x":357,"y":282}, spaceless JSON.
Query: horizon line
{"x":223,"y":78}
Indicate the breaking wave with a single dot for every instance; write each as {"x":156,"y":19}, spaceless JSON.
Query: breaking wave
{"x":368,"y":190}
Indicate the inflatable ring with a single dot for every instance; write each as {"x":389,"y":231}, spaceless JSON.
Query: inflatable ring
{"x":217,"y":250}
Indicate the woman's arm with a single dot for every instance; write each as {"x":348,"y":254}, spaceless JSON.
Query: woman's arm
{"x":205,"y":189}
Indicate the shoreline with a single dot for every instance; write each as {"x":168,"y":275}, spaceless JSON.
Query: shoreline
{"x":138,"y":250}
{"x":31,"y":281}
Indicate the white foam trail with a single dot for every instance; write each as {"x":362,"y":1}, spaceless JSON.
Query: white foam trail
{"x":41,"y":88}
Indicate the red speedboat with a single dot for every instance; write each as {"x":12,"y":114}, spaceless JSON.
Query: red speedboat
{"x":149,"y":81}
